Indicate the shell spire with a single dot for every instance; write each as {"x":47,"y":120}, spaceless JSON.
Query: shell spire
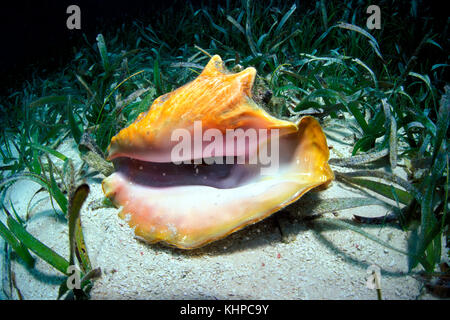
{"x":219,"y":99}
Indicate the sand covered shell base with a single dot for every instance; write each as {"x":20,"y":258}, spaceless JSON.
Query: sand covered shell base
{"x":253,"y":263}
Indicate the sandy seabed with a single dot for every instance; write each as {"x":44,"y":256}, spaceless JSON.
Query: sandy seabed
{"x":309,"y":261}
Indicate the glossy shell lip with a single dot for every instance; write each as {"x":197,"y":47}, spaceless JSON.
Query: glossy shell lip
{"x":191,"y":205}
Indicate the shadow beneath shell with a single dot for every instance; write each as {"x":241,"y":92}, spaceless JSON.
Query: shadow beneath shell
{"x":260,"y":234}
{"x":265,"y":233}
{"x":281,"y":227}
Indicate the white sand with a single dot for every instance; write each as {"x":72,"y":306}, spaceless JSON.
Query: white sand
{"x":254,"y":263}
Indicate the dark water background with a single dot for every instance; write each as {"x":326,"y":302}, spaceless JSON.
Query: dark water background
{"x":34,"y":33}
{"x":34,"y":36}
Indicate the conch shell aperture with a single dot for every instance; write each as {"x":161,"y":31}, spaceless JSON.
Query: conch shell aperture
{"x":210,"y":192}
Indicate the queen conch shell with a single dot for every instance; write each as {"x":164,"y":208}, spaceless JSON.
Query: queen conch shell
{"x":187,"y":203}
